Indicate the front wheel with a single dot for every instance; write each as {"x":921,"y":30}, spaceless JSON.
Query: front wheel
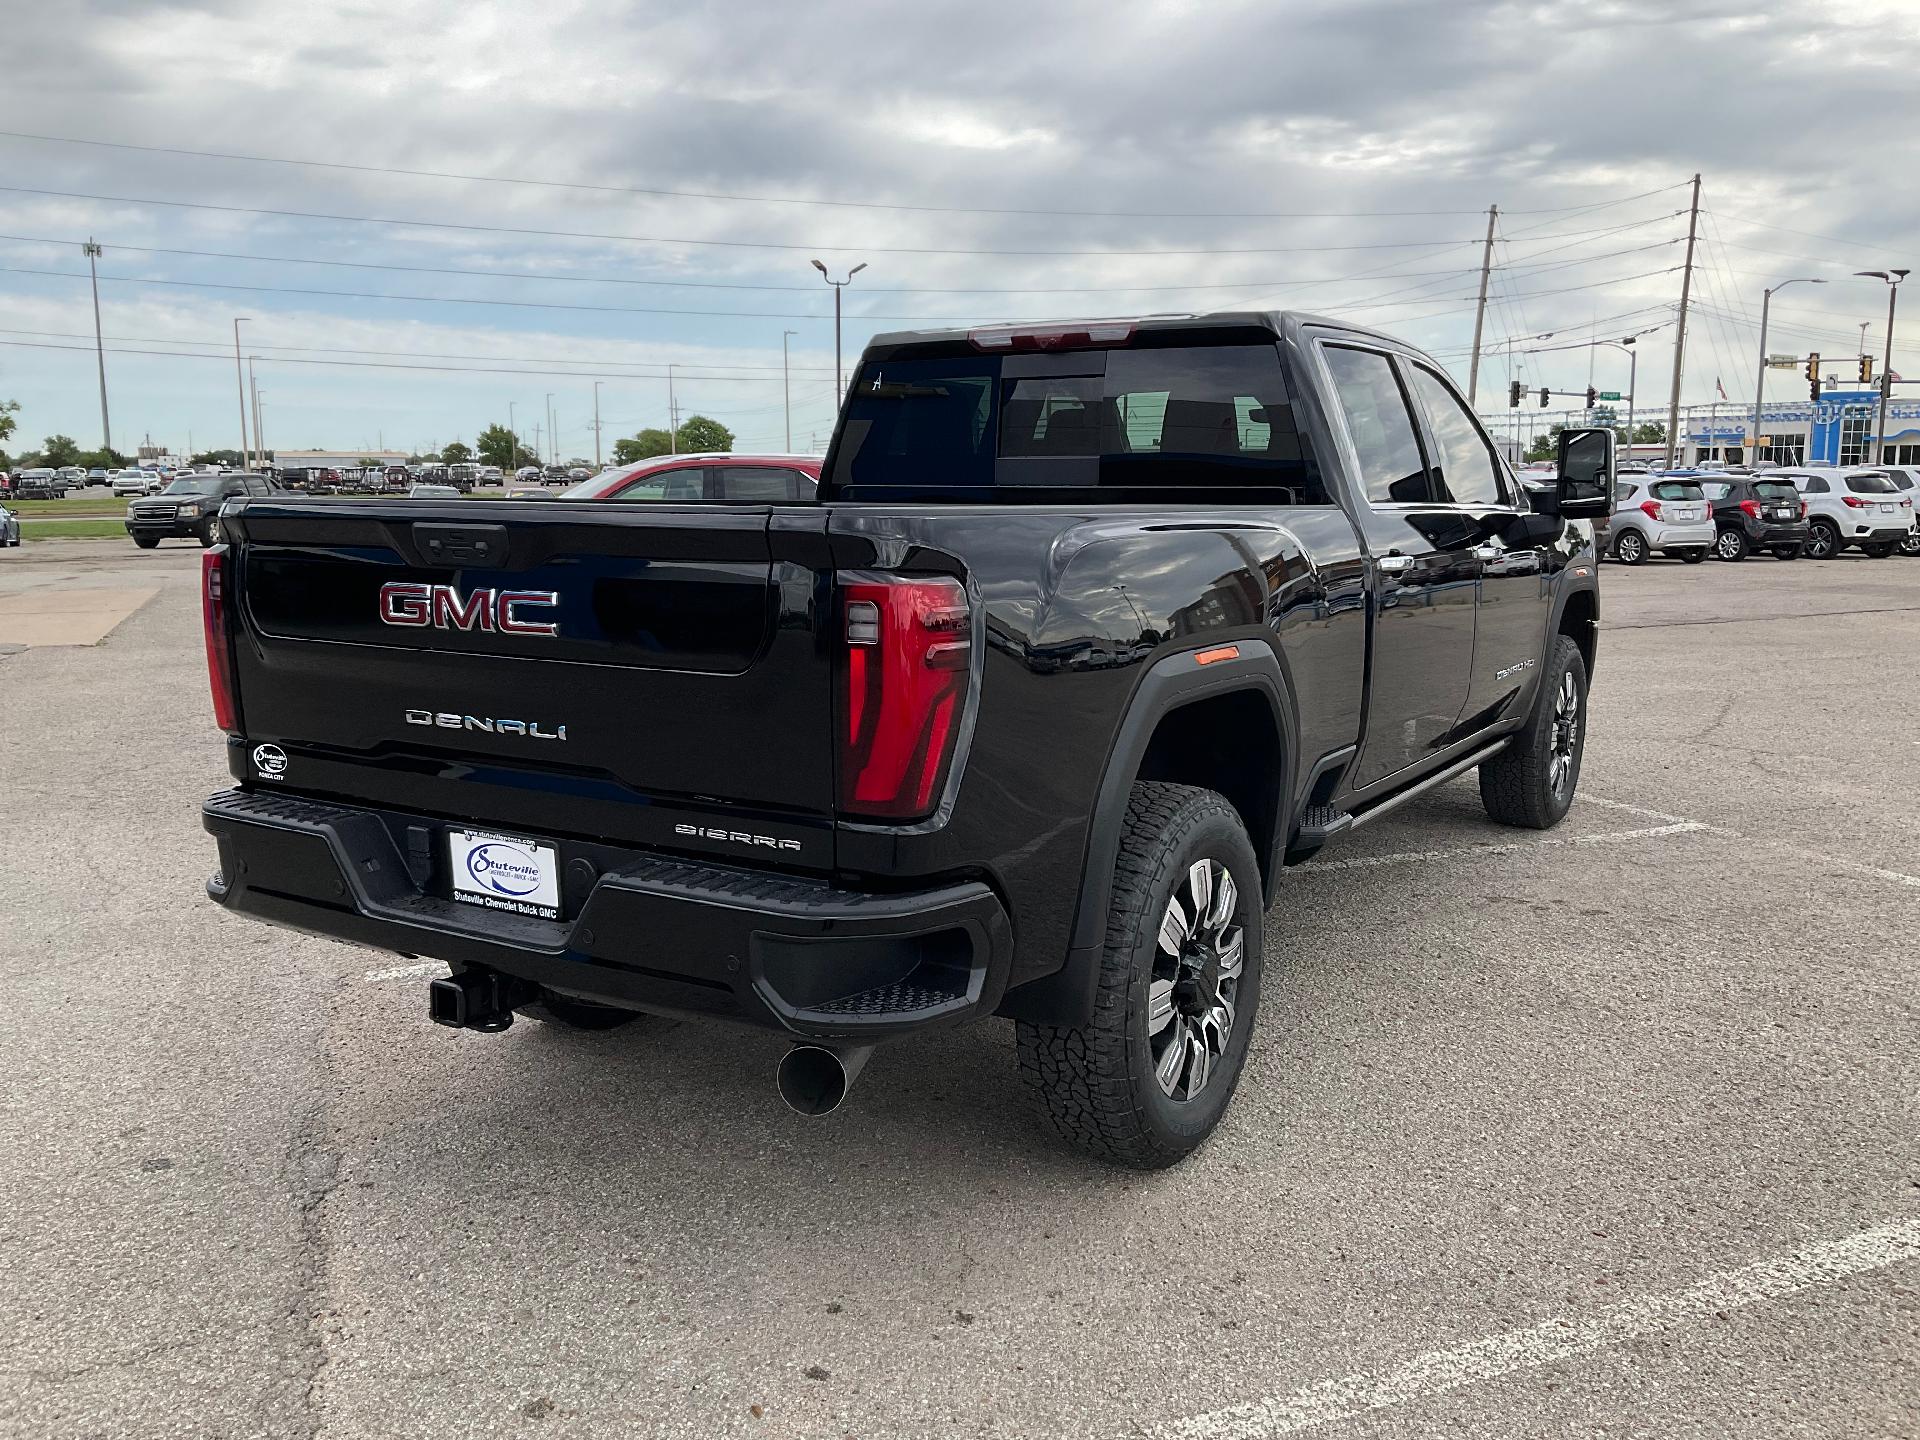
{"x":146,"y":542}
{"x":1531,"y":783}
{"x":1879,"y":551}
{"x":1823,"y":543}
{"x":1911,"y":545}
{"x":1149,"y":1075}
{"x":1730,"y":545}
{"x":1630,"y":548}
{"x":209,"y":534}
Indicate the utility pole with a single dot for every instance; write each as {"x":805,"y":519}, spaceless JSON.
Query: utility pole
{"x":513,"y":448}
{"x":253,"y":386}
{"x":99,"y":350}
{"x":1480,"y":310}
{"x":673,"y":417}
{"x":552,"y":439}
{"x":786,"y":388}
{"x":596,"y":424}
{"x":1680,"y":334}
{"x":240,"y":380}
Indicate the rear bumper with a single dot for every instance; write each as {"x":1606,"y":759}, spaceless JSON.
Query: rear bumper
{"x":1777,"y":532}
{"x":1683,"y":537}
{"x":648,"y":932}
{"x":1882,"y":534}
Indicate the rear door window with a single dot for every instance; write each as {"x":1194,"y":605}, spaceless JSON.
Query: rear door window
{"x":1392,"y":470}
{"x":762,"y":483}
{"x":687,"y":483}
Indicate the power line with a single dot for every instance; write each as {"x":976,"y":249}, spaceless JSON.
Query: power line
{"x":763,"y":199}
{"x":469,"y":227}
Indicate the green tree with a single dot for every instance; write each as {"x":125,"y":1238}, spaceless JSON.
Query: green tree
{"x":644,"y":446}
{"x":1545,"y":447}
{"x":60,"y":450}
{"x":698,"y":433}
{"x":1650,"y":432}
{"x":8,"y":409}
{"x":500,"y":446}
{"x":456,"y":454}
{"x":102,"y":460}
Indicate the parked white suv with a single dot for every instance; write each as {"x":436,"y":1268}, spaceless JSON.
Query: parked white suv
{"x":135,"y":482}
{"x":1859,"y":506}
{"x":1906,"y":479}
{"x":1665,"y":513}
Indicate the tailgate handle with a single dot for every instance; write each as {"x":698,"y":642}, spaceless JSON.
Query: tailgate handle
{"x":482,"y":545}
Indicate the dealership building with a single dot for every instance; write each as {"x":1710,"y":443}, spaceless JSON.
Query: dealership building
{"x":1837,"y":429}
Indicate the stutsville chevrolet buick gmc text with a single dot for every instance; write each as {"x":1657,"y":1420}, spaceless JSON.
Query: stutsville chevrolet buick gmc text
{"x":1090,"y":631}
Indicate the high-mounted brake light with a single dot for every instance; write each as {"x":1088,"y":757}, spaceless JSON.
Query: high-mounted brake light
{"x":213,"y":618}
{"x":909,"y":664}
{"x":1084,"y":335}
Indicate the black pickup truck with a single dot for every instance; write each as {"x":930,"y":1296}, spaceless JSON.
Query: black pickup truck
{"x":1091,"y":631}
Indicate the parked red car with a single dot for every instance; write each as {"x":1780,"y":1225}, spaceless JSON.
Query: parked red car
{"x":747,"y":479}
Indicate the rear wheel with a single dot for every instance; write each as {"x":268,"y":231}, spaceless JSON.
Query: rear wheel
{"x":1880,"y":551}
{"x":1531,"y":783}
{"x":1148,"y":1077}
{"x":1823,"y":543}
{"x":1730,"y":545}
{"x":1911,"y":545}
{"x":1786,"y":552}
{"x":1630,"y":547}
{"x":552,"y":1009}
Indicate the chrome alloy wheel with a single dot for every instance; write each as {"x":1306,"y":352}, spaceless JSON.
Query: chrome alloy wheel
{"x":1566,"y":733}
{"x":1196,"y":980}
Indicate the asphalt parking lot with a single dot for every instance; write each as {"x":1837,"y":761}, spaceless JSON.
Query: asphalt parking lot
{"x":1613,"y":1130}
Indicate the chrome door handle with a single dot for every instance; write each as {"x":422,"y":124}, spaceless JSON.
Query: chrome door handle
{"x":1394,"y":564}
{"x":1487,"y":552}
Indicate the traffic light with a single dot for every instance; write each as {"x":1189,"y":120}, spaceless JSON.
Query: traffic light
{"x":1513,"y":394}
{"x":1544,"y":394}
{"x":1593,"y":396}
{"x":1813,"y":374}
{"x":1866,"y":369}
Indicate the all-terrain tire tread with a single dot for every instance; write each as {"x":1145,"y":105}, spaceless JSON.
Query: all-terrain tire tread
{"x":1513,"y":785}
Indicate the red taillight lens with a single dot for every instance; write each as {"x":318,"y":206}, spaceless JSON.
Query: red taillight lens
{"x":1092,"y":335}
{"x":1750,"y":508}
{"x":909,"y":661}
{"x":1854,"y":502}
{"x":1804,"y":507}
{"x":213,"y":617}
{"x":1652,"y":507}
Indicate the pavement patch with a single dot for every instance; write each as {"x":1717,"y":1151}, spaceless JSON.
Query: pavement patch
{"x":78,"y":615}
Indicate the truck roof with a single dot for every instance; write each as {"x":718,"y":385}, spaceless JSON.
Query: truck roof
{"x":1273,"y":321}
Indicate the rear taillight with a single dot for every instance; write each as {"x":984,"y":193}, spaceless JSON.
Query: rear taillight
{"x":1854,"y":502}
{"x":1750,"y":508}
{"x":1803,"y":509}
{"x":213,"y":617}
{"x":909,"y":662}
{"x":1652,"y":507}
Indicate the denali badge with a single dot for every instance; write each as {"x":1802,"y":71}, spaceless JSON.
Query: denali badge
{"x":737,"y":837}
{"x":1514,"y":669}
{"x":445,"y":720}
{"x":445,"y":608}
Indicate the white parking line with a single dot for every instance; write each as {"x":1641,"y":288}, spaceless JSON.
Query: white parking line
{"x":1897,"y":877}
{"x":1439,"y":1371}
{"x":434,"y":968}
{"x":1509,"y":847}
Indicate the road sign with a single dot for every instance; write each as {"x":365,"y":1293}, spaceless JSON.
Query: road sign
{"x":1609,"y":394}
{"x":1785,"y":362}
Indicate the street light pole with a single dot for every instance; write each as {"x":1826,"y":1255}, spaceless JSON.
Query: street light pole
{"x":1893,"y":279}
{"x":673,"y":417}
{"x":553,"y":441}
{"x":253,"y":385}
{"x":240,"y":380}
{"x":786,"y":386}
{"x":1760,"y":386}
{"x":99,"y":350}
{"x":513,"y":447}
{"x":596,"y":424}
{"x":839,"y":393}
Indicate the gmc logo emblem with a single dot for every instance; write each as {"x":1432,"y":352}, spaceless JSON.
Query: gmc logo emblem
{"x":444,"y":608}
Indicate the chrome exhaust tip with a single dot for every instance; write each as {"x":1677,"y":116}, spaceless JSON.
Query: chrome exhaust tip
{"x":814,"y":1079}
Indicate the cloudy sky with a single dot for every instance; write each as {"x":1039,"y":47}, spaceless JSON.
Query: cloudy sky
{"x":495,"y":203}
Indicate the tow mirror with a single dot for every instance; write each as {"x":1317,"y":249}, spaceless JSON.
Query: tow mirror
{"x":1586,"y":475}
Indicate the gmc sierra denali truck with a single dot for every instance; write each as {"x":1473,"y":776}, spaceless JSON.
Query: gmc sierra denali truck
{"x":1091,"y":630}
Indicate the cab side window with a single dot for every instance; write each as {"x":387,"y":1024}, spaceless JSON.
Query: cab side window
{"x":1392,"y":470}
{"x":684,"y":484}
{"x":760,"y":483}
{"x":1464,"y":471}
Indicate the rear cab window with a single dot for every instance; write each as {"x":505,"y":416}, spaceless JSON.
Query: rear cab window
{"x":1203,"y":412}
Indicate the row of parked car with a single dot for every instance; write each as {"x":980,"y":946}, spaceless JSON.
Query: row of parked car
{"x":1786,"y":512}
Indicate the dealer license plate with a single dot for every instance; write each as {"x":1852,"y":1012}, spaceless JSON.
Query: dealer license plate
{"x":504,"y":872}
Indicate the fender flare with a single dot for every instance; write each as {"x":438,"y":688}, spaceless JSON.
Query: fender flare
{"x":1066,"y":996}
{"x":1569,"y":587}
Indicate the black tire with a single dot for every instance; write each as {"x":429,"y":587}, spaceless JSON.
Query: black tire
{"x":146,"y":542}
{"x":1911,"y":545}
{"x":1692,"y":555}
{"x":1823,"y":540}
{"x":1098,"y":1083}
{"x":1518,"y":786}
{"x":552,"y":1009}
{"x":1630,"y":548}
{"x":209,"y":533}
{"x":1786,"y":552}
{"x":1731,"y":545}
{"x":1879,"y":551}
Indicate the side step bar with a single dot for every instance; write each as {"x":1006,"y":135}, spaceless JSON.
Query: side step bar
{"x":1322,"y":822}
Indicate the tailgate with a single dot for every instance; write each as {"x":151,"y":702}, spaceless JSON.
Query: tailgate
{"x":634,"y":673}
